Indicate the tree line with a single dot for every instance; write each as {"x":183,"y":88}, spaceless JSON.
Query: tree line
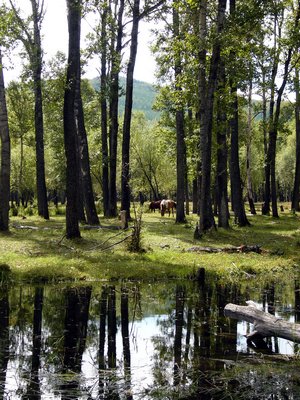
{"x":212,"y":57}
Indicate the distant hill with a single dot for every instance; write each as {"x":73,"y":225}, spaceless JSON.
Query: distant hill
{"x":143,"y":96}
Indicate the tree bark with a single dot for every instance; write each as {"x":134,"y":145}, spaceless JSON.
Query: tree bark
{"x":206,"y":214}
{"x":5,"y":156}
{"x":36,"y":65}
{"x":222,"y":193}
{"x":103,"y":94}
{"x":266,"y":204}
{"x":74,"y":25}
{"x":235,"y":174}
{"x":248,"y":153}
{"x":125,"y":178}
{"x":85,"y":174}
{"x":114,"y":113}
{"x":296,"y":190}
{"x":179,"y":117}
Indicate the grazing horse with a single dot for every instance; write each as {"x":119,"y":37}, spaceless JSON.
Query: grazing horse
{"x":154,"y":205}
{"x":167,"y":205}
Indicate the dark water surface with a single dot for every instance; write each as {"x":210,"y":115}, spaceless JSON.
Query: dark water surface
{"x":143,"y":341}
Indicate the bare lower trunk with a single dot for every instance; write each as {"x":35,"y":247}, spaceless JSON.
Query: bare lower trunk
{"x":125,"y":178}
{"x":5,"y":156}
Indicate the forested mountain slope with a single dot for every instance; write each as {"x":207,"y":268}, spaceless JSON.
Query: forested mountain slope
{"x":143,"y":96}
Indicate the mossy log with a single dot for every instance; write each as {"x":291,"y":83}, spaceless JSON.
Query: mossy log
{"x":265,"y":324}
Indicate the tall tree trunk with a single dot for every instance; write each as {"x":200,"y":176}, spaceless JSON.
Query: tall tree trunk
{"x":235,"y":174}
{"x":202,"y":78}
{"x":179,"y":116}
{"x":74,"y":25}
{"x":248,"y":151}
{"x":273,"y":129}
{"x":222,"y":193}
{"x":36,"y":60}
{"x":236,"y":184}
{"x":104,"y":138}
{"x":266,"y":204}
{"x":114,"y":113}
{"x":206,"y":213}
{"x":5,"y":156}
{"x":125,"y":188}
{"x":85,"y":174}
{"x":296,"y":190}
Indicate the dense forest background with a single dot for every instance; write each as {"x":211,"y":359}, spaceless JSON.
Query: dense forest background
{"x":223,"y":129}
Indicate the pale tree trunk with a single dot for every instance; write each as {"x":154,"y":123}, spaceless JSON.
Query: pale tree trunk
{"x":5,"y":156}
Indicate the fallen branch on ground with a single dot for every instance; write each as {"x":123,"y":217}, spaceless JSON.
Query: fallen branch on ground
{"x":232,"y":249}
{"x":265,"y":324}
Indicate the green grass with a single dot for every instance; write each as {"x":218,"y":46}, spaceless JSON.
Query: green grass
{"x":44,"y":254}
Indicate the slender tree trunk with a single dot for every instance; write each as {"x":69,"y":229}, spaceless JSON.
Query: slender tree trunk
{"x":114,"y":113}
{"x":202,"y":78}
{"x":248,"y":151}
{"x":266,"y":204}
{"x":179,"y":117}
{"x":104,"y":138}
{"x":74,"y":23}
{"x":87,"y":186}
{"x":206,"y":214}
{"x":236,"y":184}
{"x":125,"y":178}
{"x":36,"y":60}
{"x":222,"y":194}
{"x":296,"y":190}
{"x":5,"y":156}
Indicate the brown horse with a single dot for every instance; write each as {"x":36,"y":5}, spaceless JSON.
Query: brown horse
{"x":167,"y":205}
{"x":154,"y":205}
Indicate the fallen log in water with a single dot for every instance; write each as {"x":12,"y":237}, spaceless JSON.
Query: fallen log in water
{"x":265,"y":324}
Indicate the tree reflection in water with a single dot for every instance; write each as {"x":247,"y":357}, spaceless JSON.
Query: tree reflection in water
{"x":132,"y":342}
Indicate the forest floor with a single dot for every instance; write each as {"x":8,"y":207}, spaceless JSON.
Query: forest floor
{"x":35,"y":250}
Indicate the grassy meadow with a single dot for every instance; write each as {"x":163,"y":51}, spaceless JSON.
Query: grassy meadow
{"x":37,"y":251}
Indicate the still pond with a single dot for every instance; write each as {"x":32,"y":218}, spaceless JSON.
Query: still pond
{"x":143,"y":341}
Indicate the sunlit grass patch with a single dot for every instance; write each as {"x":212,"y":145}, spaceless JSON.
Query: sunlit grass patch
{"x":35,"y":248}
